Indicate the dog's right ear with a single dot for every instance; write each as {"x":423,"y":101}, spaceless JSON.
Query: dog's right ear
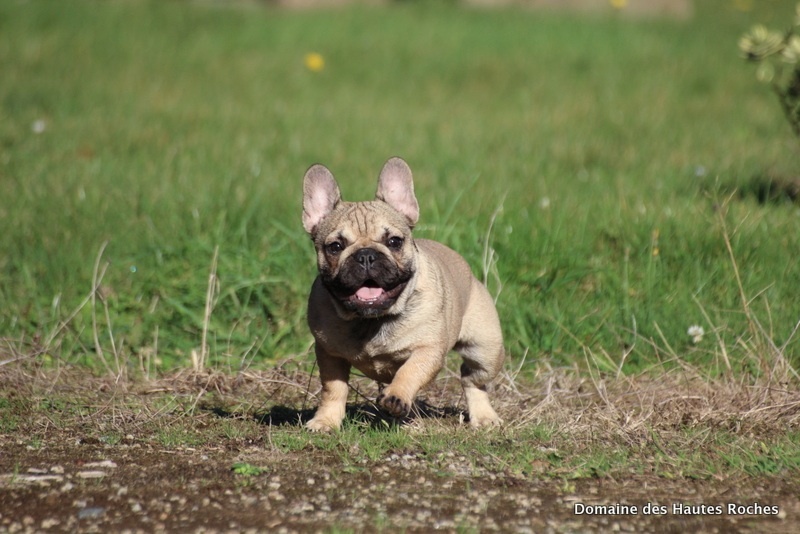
{"x":320,"y":196}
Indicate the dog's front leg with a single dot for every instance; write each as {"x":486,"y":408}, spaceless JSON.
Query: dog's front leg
{"x":334,"y":374}
{"x":415,"y":373}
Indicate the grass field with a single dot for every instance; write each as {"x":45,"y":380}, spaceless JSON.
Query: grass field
{"x":599,"y":158}
{"x":614,"y":180}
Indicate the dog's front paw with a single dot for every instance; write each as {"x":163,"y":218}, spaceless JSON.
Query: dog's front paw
{"x":480,"y":422}
{"x":484,"y":417}
{"x":394,"y":405}
{"x":321,"y":425}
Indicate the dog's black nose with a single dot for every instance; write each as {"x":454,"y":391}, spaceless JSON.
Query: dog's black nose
{"x":366,"y":257}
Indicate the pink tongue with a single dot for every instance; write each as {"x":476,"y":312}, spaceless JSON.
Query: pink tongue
{"x":369,"y":293}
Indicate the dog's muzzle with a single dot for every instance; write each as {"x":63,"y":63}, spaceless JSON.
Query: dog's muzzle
{"x":368,"y":283}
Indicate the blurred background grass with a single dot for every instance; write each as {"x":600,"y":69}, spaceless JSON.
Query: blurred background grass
{"x":595,"y":152}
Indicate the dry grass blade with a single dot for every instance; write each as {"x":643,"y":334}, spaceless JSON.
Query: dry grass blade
{"x":97,"y":278}
{"x":603,"y":408}
{"x":199,"y":361}
{"x":489,"y":262}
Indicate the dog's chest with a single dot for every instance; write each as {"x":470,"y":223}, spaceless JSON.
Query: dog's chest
{"x":373,"y":349}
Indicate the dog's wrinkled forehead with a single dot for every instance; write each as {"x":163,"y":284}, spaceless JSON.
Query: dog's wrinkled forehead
{"x":363,"y":220}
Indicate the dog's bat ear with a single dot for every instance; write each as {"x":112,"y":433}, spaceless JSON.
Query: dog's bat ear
{"x":396,"y":188}
{"x":320,"y":196}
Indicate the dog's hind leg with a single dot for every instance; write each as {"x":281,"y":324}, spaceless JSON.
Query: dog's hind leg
{"x":481,"y":347}
{"x":480,"y":409}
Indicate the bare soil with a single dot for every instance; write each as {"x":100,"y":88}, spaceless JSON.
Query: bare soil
{"x":75,"y":486}
{"x":75,"y":456}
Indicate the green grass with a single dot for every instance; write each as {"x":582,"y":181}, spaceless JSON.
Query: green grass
{"x":9,"y":421}
{"x":606,"y":145}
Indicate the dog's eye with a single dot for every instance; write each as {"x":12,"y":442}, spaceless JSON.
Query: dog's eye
{"x":394,"y":243}
{"x":334,"y":248}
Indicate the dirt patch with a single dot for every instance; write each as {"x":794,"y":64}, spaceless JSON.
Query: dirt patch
{"x":137,"y":487}
{"x":209,"y":453}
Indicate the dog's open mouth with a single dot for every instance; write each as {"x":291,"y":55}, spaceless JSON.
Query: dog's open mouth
{"x":369,"y":299}
{"x":371,"y":295}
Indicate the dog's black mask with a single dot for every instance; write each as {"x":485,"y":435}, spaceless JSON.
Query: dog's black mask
{"x":368,"y":282}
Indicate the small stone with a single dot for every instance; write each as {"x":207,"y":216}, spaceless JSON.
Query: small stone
{"x":103,"y":463}
{"x":91,"y":512}
{"x":91,"y":474}
{"x":50,"y":523}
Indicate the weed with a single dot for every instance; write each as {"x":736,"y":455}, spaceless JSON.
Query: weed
{"x":245,"y":469}
{"x":175,"y":437}
{"x":35,"y":443}
{"x":9,"y":419}
{"x":236,"y":430}
{"x":8,"y":423}
{"x":776,"y":52}
{"x":111,"y":438}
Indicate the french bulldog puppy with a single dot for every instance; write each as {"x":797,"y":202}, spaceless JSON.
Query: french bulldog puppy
{"x":390,"y":305}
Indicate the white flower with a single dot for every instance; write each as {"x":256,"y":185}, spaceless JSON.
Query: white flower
{"x":760,"y":42}
{"x":38,"y":126}
{"x":696,"y":332}
{"x":791,"y":53}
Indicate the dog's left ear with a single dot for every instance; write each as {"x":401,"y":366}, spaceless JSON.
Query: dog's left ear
{"x":396,"y":188}
{"x":320,"y":196}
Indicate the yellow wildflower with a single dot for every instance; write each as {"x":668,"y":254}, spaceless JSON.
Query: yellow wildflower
{"x":314,"y":62}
